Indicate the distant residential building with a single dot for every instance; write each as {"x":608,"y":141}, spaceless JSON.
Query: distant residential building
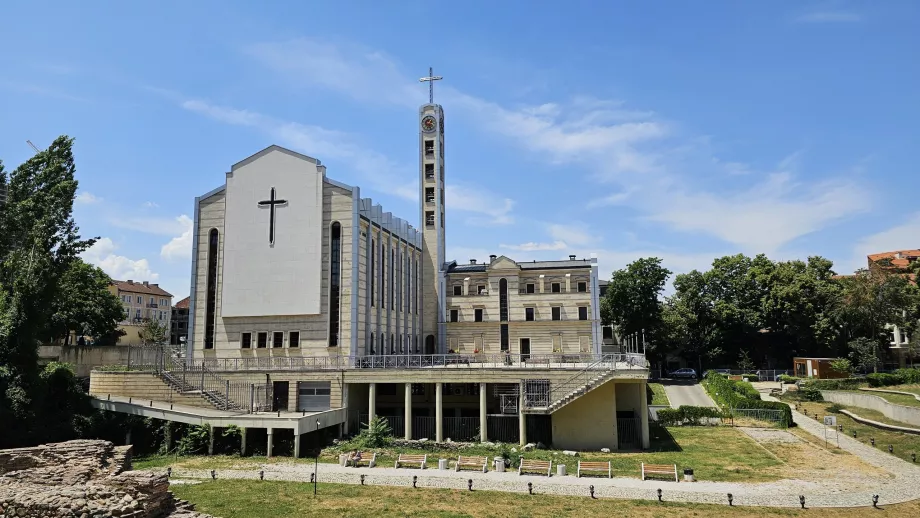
{"x":897,"y":261}
{"x":142,"y":301}
{"x":178,"y":329}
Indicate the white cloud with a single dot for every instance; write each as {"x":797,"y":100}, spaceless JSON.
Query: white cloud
{"x":575,"y":233}
{"x":534,"y":247}
{"x":179,"y":247}
{"x":86,"y":198}
{"x":151,"y":205}
{"x":102,"y":254}
{"x":488,"y":208}
{"x":905,"y":236}
{"x":829,"y":17}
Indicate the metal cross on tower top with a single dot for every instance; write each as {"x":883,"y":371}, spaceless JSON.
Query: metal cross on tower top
{"x":430,"y":80}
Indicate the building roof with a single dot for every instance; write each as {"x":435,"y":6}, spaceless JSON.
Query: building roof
{"x":566,"y":264}
{"x":898,"y":258}
{"x":141,"y":287}
{"x":183,"y":304}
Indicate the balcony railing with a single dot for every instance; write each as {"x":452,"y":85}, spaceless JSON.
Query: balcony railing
{"x":618,"y":361}
{"x":152,"y":305}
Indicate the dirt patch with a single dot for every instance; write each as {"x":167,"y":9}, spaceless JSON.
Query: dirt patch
{"x":765,"y":435}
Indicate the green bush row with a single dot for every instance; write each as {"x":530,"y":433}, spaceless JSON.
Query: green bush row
{"x":899,"y":377}
{"x":787,"y":379}
{"x":834,"y":384}
{"x":730,"y":394}
{"x":687,"y":415}
{"x":751,"y":378}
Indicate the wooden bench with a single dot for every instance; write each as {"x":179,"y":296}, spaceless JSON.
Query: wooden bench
{"x":659,"y":469}
{"x":421,"y":460}
{"x":531,"y":465}
{"x":478,"y":463}
{"x":595,"y":466}
{"x":370,"y":459}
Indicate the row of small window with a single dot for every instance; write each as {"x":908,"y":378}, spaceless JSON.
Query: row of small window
{"x":128,"y":299}
{"x":419,"y":389}
{"x":529,"y":314}
{"x":556,"y":287}
{"x":137,"y":314}
{"x":261,"y":339}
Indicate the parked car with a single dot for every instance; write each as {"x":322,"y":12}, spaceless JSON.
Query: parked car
{"x":683,"y":373}
{"x":724,"y":372}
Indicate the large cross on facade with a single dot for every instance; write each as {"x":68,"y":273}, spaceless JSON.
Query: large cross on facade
{"x":271,"y":203}
{"x":430,"y":80}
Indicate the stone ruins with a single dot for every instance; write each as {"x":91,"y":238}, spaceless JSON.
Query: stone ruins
{"x":83,"y":479}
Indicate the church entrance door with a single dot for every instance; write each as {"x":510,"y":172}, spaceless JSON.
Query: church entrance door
{"x":280,"y":396}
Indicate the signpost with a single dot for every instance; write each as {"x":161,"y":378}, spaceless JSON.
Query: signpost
{"x":831,"y":421}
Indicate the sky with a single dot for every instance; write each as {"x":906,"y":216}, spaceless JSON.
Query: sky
{"x":681,"y":130}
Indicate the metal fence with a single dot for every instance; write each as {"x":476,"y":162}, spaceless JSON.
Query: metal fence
{"x":503,"y":428}
{"x":461,"y":428}
{"x":757,"y":417}
{"x":629,"y":433}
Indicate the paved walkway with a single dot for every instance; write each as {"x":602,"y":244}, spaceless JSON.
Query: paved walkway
{"x":903,"y":485}
{"x":686,"y":393}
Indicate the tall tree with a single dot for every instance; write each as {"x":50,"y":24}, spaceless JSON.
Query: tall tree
{"x":153,"y":333}
{"x":632,"y":303}
{"x":85,"y":305}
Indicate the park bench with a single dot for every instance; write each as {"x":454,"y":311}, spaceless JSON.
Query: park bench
{"x":421,"y":460}
{"x":595,"y":466}
{"x":539,"y":466}
{"x":659,"y":469}
{"x":369,"y":459}
{"x":478,"y":463}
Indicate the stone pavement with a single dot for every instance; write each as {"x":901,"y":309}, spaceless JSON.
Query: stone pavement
{"x":903,"y":485}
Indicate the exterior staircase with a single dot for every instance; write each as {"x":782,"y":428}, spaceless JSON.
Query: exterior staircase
{"x":207,"y":389}
{"x":559,"y":395}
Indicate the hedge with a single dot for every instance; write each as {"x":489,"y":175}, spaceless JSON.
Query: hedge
{"x":881,"y":379}
{"x":750,"y":377}
{"x":741,"y":394}
{"x":687,"y":415}
{"x":787,"y":379}
{"x":834,"y":384}
{"x":908,"y":376}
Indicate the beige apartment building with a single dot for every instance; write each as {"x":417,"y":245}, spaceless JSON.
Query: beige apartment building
{"x":142,"y":301}
{"x":316,"y":298}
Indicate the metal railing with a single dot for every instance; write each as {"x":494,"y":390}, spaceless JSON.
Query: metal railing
{"x":588,"y":361}
{"x":545,"y":395}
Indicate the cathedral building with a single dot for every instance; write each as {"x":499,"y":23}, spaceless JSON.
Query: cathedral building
{"x":298,"y":279}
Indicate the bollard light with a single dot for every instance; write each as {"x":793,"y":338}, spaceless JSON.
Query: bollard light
{"x":875,"y":501}
{"x":730,"y":498}
{"x":872,"y":440}
{"x":839,"y":427}
{"x":213,"y":475}
{"x":854,"y":435}
{"x":530,"y":487}
{"x":362,"y":479}
{"x":890,"y":449}
{"x":469,"y":484}
{"x":414,"y":480}
{"x":169,"y":472}
{"x":261,"y":474}
{"x":659,"y":494}
{"x":802,"y":500}
{"x":591,"y":489}
{"x":913,"y":457}
{"x":313,"y":478}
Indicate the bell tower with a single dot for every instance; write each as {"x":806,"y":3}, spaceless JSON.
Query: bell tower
{"x":431,"y":217}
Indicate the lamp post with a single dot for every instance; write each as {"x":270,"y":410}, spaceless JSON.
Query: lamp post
{"x":316,"y":463}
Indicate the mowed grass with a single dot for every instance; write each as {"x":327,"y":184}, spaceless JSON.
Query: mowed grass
{"x":251,"y":499}
{"x":659,"y":396}
{"x":898,"y":399}
{"x":714,"y":453}
{"x":904,"y":444}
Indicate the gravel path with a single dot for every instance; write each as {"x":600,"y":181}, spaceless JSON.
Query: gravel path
{"x":903,"y":485}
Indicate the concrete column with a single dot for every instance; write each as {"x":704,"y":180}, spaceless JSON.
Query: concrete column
{"x":371,"y":401}
{"x":643,"y":415}
{"x":408,"y":411}
{"x":268,"y":448}
{"x":522,"y":418}
{"x":296,"y":445}
{"x":483,"y":423}
{"x":243,"y":442}
{"x":439,"y":412}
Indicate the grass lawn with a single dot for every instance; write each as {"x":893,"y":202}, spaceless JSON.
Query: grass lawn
{"x":904,"y":444}
{"x":659,"y":397}
{"x":715,"y":453}
{"x":251,"y":499}
{"x":898,"y":399}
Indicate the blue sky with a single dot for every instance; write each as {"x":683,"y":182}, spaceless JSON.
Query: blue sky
{"x":685,"y":130}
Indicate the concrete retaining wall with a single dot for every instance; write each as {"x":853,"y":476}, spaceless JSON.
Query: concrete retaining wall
{"x":140,"y":385}
{"x":900,"y":413}
{"x":86,"y":358}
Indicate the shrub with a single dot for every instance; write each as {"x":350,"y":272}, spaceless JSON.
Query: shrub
{"x":843,"y":366}
{"x":882,"y":380}
{"x":741,"y":394}
{"x":908,"y":376}
{"x":809,"y":392}
{"x":687,"y":415}
{"x":835,"y":384}
{"x":787,"y":379}
{"x":835,"y":408}
{"x":376,"y":434}
{"x":751,"y":378}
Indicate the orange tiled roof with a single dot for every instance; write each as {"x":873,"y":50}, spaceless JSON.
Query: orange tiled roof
{"x":906,"y":257}
{"x":182,"y":304}
{"x":145,"y":288}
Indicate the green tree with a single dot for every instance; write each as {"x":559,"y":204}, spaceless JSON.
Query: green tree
{"x":86,"y":306}
{"x":632,"y":303}
{"x":843,"y":366}
{"x":865,"y":353}
{"x":744,"y":362}
{"x":154,"y":332}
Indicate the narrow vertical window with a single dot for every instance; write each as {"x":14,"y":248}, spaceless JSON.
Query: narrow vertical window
{"x":211,"y":303}
{"x":335,"y":260}
{"x":372,"y":273}
{"x":503,"y":300}
{"x":383,"y":278}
